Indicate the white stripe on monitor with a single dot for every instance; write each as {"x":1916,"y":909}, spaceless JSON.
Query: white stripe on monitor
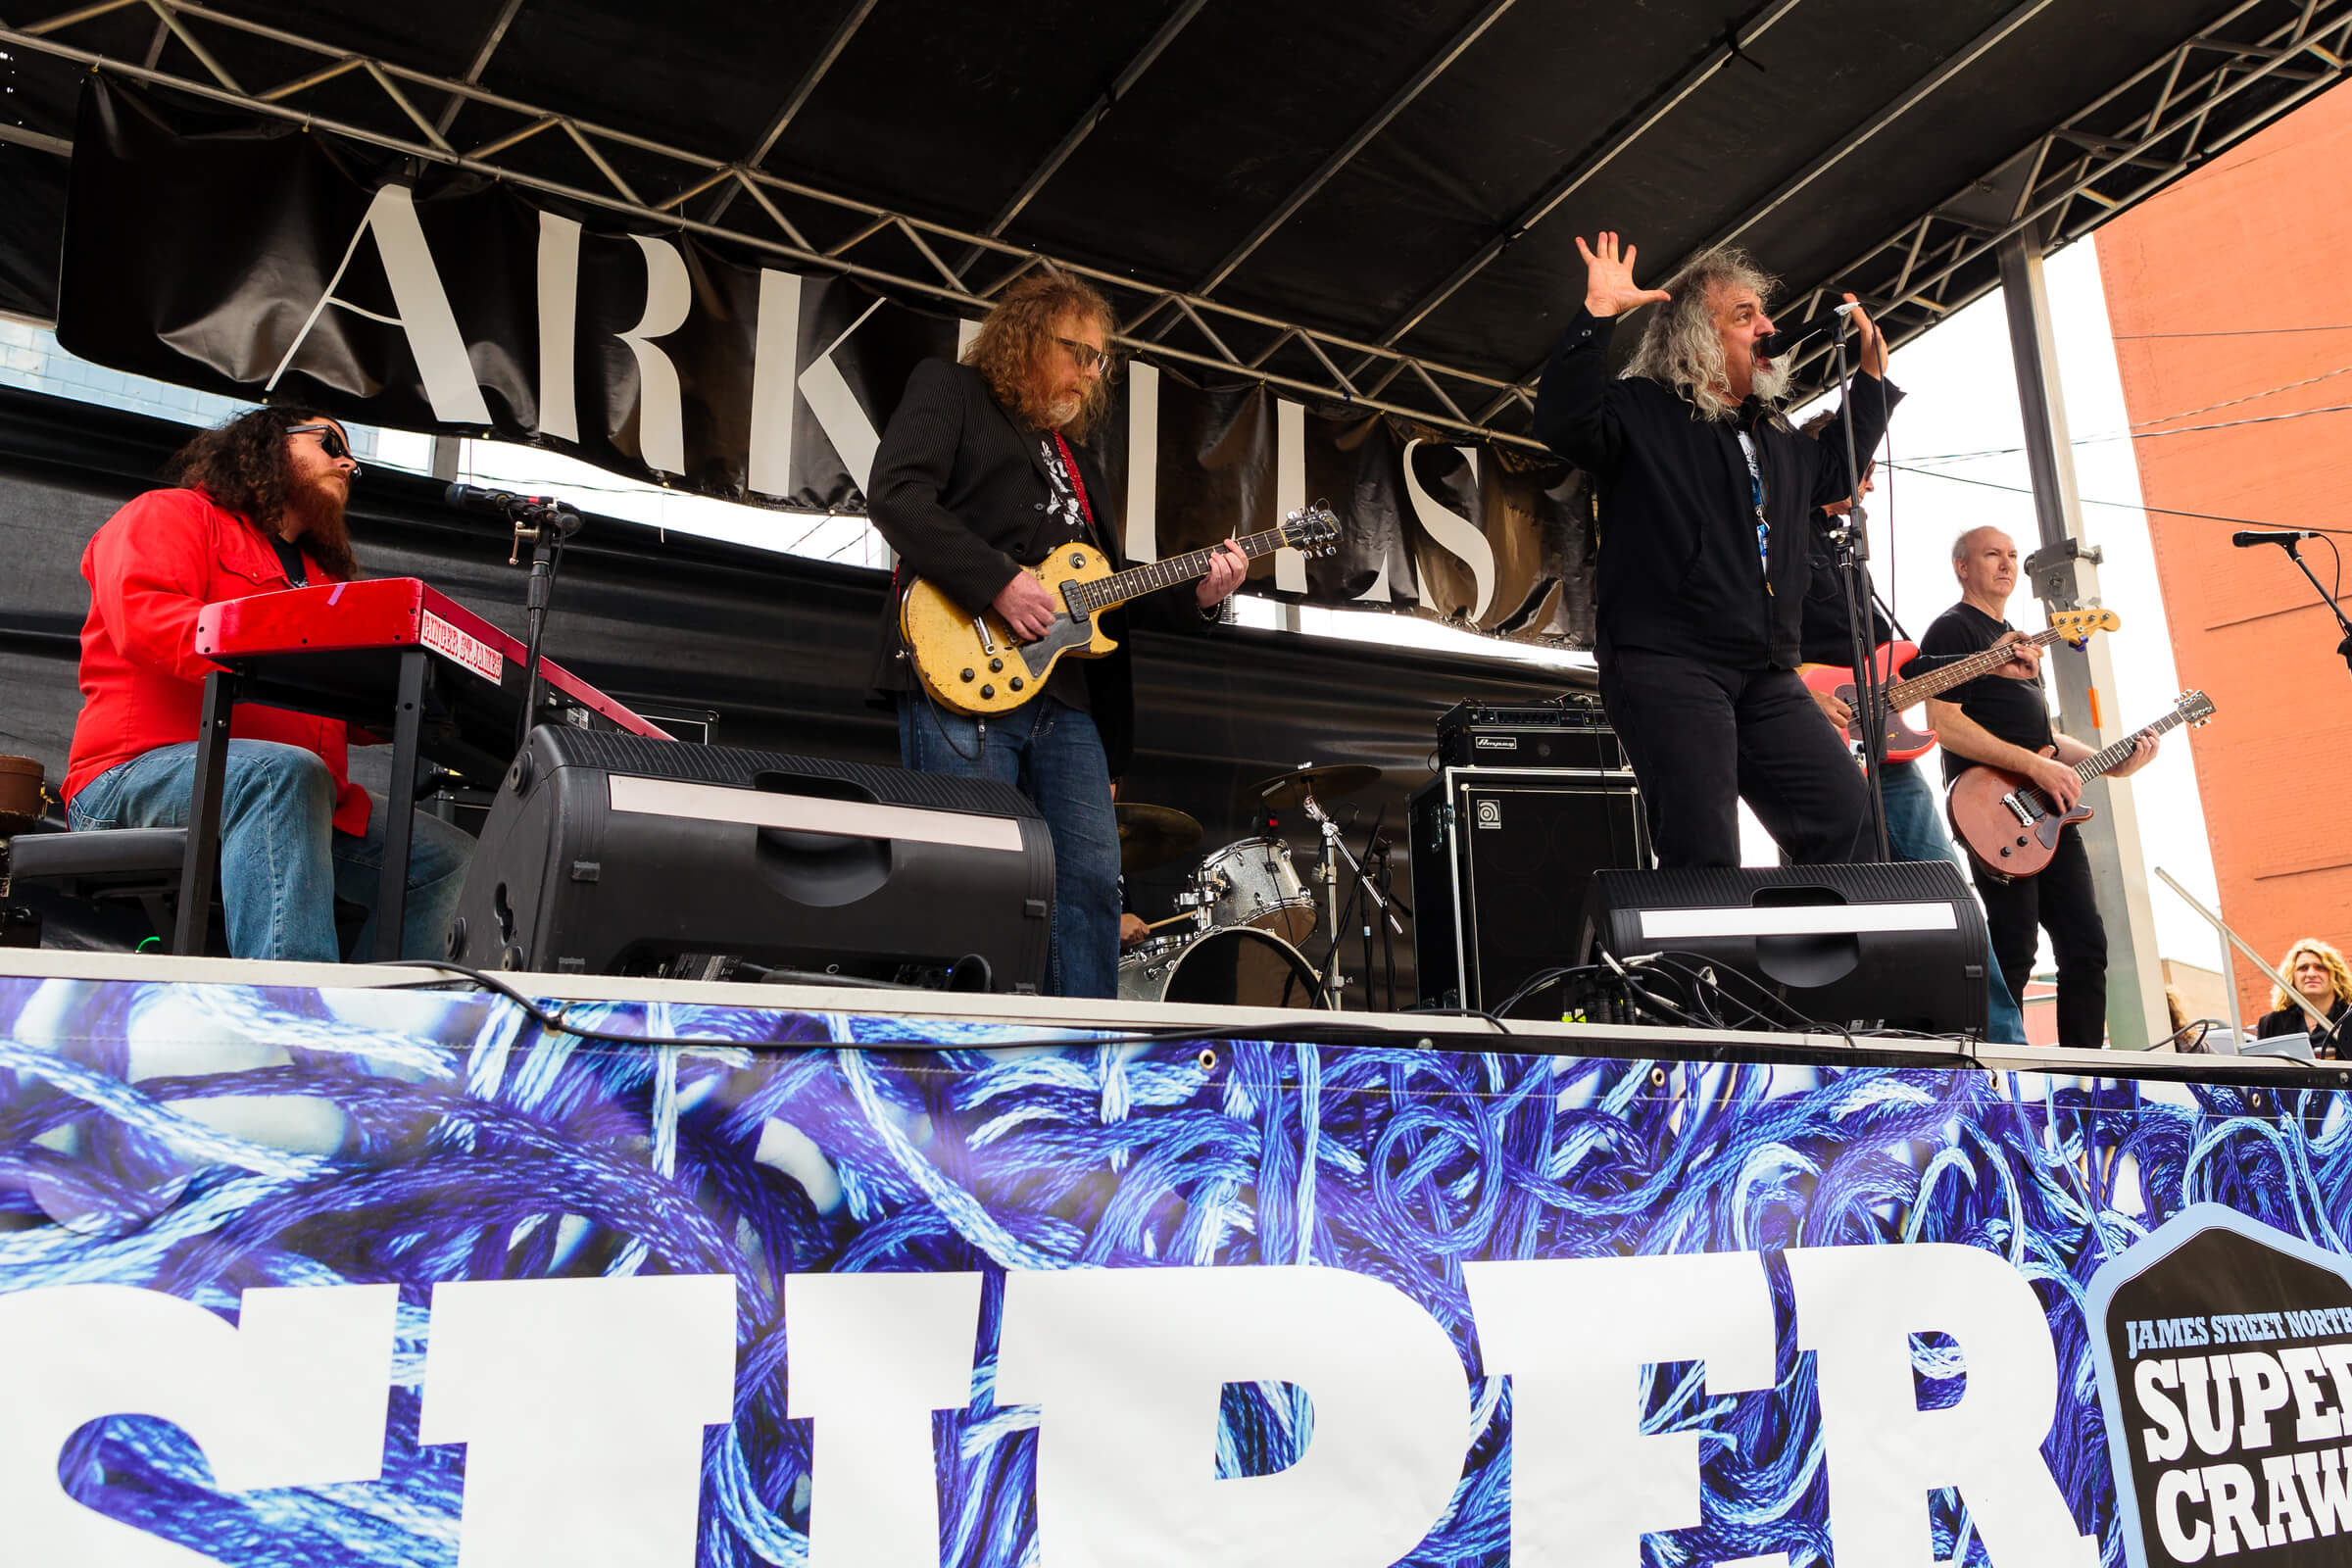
{"x":1797,"y":919}
{"x":803,"y":813}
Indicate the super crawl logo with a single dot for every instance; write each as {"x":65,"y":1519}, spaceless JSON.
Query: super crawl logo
{"x":2225,"y":1353}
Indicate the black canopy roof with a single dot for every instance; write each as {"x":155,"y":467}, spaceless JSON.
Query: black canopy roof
{"x":1375,"y":198}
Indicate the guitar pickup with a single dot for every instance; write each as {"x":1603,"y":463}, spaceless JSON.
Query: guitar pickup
{"x":988,"y":643}
{"x":2024,"y":813}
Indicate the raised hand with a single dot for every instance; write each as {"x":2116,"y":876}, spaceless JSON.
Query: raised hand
{"x":1872,"y":342}
{"x":1609,"y":289}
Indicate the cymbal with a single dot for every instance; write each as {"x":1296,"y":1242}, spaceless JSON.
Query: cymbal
{"x":1328,"y":782}
{"x":1153,"y":835}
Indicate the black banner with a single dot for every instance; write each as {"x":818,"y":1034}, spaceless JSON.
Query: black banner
{"x":259,"y":260}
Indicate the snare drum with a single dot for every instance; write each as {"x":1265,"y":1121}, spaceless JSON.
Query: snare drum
{"x":1236,"y":966}
{"x":1251,"y":884}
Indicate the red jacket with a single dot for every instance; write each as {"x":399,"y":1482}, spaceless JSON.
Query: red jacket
{"x":151,"y":568}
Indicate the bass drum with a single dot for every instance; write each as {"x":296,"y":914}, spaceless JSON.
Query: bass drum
{"x":1239,"y":966}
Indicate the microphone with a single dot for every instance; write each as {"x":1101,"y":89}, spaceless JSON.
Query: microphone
{"x":1784,"y":341}
{"x":495,"y":501}
{"x":503,"y":504}
{"x":2280,"y":536}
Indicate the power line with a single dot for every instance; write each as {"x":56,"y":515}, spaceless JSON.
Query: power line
{"x":2138,"y":434}
{"x":2241,"y":332}
{"x":2124,"y":506}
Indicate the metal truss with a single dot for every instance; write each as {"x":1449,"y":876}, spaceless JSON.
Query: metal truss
{"x":811,"y":229}
{"x":2244,"y":71}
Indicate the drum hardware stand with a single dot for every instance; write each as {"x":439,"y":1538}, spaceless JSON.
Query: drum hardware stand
{"x":1336,"y":850}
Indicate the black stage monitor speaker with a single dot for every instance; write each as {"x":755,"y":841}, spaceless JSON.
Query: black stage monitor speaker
{"x":1500,"y":859}
{"x":1898,"y":946}
{"x":609,"y":854}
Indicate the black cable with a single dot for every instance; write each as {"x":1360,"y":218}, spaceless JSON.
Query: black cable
{"x":1541,"y":980}
{"x":551,"y":1021}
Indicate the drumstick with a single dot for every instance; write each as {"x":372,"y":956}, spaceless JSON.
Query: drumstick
{"x":1170,"y":921}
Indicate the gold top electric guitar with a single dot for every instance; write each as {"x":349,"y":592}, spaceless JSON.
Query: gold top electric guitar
{"x":975,"y":665}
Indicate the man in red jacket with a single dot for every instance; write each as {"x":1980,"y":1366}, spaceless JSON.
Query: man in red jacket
{"x":258,"y":506}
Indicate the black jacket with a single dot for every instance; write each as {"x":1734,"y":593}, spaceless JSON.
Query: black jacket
{"x":960,"y":492}
{"x":2291,"y":1019}
{"x":1678,"y":532}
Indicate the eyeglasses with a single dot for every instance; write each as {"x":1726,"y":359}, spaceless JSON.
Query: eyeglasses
{"x":1089,"y":356}
{"x":331,"y":440}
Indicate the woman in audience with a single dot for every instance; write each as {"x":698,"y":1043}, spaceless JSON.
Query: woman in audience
{"x":2320,"y":977}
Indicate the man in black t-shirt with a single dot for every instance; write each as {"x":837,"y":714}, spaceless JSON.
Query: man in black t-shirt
{"x":2005,"y":723}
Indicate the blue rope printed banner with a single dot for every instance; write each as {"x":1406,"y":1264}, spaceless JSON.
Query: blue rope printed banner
{"x":324,"y":1278}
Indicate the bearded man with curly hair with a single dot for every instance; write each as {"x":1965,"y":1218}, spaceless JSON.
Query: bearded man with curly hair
{"x":1707,"y":501}
{"x":981,"y":473}
{"x":256,"y":506}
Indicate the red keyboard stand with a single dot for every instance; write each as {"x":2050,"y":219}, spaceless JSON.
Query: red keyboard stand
{"x":388,"y":654}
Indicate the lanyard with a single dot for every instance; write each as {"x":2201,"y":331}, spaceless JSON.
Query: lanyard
{"x":1755,"y":491}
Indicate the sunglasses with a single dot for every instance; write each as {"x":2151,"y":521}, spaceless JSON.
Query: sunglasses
{"x":331,"y":440}
{"x":1090,"y":358}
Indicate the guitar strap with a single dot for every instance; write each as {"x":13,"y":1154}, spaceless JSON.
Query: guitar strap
{"x":1069,"y":465}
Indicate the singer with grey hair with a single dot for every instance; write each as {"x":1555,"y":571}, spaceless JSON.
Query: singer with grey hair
{"x":1707,"y":499}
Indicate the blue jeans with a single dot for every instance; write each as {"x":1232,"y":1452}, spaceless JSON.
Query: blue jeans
{"x":282,"y":863}
{"x":1914,"y":832}
{"x":1053,"y":755}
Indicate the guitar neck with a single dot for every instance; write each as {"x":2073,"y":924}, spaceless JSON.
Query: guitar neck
{"x":1135,"y":582}
{"x":2098,"y":763}
{"x":1910,"y":693}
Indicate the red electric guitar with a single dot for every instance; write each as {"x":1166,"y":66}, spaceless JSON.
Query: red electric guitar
{"x":2012,"y":829}
{"x":1904,"y":743}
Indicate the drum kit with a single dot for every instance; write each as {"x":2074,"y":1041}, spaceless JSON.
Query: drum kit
{"x":1243,"y":913}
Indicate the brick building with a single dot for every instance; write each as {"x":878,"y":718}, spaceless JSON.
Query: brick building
{"x":2230,"y":306}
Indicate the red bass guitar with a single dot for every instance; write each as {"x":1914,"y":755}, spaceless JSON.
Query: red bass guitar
{"x":2012,"y":829}
{"x":1903,"y":742}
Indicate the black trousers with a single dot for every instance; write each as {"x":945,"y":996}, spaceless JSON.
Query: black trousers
{"x":1703,"y":737}
{"x":2059,"y":901}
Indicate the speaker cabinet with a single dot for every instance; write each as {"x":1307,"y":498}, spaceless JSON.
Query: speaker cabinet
{"x":1898,"y":946}
{"x":608,"y":854}
{"x":1501,"y":858}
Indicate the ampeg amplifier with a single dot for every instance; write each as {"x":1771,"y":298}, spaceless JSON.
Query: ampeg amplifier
{"x":1501,"y":860}
{"x":611,"y":854}
{"x":1566,"y":731}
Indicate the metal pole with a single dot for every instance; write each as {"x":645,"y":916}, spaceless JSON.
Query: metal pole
{"x":2064,"y":574}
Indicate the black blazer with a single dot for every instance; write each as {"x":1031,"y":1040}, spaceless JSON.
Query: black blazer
{"x":2291,"y":1019}
{"x":959,"y":491}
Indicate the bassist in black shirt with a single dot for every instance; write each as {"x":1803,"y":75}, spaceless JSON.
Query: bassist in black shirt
{"x":2003,"y":720}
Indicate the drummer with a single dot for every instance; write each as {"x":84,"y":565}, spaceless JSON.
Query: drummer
{"x":1133,"y":932}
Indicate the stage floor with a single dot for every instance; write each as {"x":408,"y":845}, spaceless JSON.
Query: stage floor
{"x":1052,"y":1016}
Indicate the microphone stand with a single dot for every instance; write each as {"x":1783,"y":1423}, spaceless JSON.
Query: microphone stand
{"x":2343,"y":649}
{"x":1870,"y":715}
{"x":544,"y":525}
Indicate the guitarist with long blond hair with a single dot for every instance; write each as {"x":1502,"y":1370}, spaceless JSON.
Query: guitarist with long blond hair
{"x":981,"y":474}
